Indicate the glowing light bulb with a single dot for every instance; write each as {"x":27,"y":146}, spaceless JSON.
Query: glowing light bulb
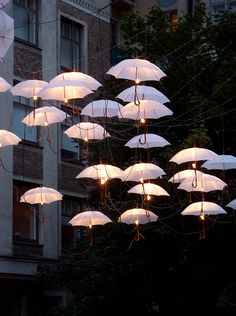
{"x":148,"y":197}
{"x":46,"y":123}
{"x":41,"y":202}
{"x":137,"y":81}
{"x":202,"y":216}
{"x":194,"y":165}
{"x":86,"y":139}
{"x":136,"y":222}
{"x":90,"y":226}
{"x":103,"y":180}
{"x":141,"y":180}
{"x":142,"y":120}
{"x":65,"y":100}
{"x":35,"y":97}
{"x":0,"y":145}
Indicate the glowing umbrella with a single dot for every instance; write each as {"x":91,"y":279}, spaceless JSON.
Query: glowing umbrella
{"x":6,"y":32}
{"x":142,"y":93}
{"x":184,"y":174}
{"x":90,"y":219}
{"x":44,"y":116}
{"x":193,"y":154}
{"x":8,"y":138}
{"x":232,"y":204}
{"x":137,"y":216}
{"x":64,"y":90}
{"x":148,"y":189}
{"x":28,"y":88}
{"x":4,"y":85}
{"x":147,"y":141}
{"x":142,"y":171}
{"x":41,"y":195}
{"x":146,"y":109}
{"x":203,"y":208}
{"x":103,"y":172}
{"x":87,"y":80}
{"x":222,"y":162}
{"x":203,"y":183}
{"x":137,"y":70}
{"x":86,"y":131}
{"x":102,"y":108}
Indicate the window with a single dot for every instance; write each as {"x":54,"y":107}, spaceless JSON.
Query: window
{"x":25,"y":17}
{"x":70,"y":44}
{"x":25,"y":216}
{"x":173,"y":20}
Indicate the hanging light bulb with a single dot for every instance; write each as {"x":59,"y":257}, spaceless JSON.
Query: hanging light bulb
{"x":90,"y":226}
{"x":141,"y":180}
{"x":202,"y":216}
{"x":194,"y":165}
{"x":65,"y":100}
{"x":103,"y":180}
{"x":136,"y":222}
{"x":137,"y":81}
{"x":142,"y":120}
{"x":46,"y":123}
{"x":148,"y":197}
{"x":35,"y":98}
{"x":86,"y":139}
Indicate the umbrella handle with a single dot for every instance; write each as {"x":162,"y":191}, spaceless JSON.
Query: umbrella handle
{"x":91,"y":236}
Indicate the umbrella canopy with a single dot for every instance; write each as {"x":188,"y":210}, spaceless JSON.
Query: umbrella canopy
{"x":137,"y":216}
{"x":142,"y":93}
{"x":8,"y":138}
{"x":184,"y":174}
{"x":6,"y":32}
{"x":3,"y":3}
{"x":28,"y":88}
{"x":148,"y":189}
{"x":89,"y":219}
{"x":193,"y":154}
{"x":87,"y":80}
{"x":4,"y":85}
{"x":222,"y":162}
{"x":64,"y":90}
{"x":137,"y":70}
{"x":101,"y":171}
{"x":86,"y":131}
{"x":203,"y":207}
{"x":142,"y":171}
{"x":147,"y":109}
{"x":41,"y":195}
{"x":102,"y":108}
{"x":147,"y":141}
{"x":232,"y":204}
{"x":203,"y":183}
{"x":44,"y":116}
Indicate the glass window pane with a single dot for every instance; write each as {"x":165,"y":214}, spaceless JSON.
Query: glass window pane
{"x":21,"y":23}
{"x":68,"y":143}
{"x":66,"y":53}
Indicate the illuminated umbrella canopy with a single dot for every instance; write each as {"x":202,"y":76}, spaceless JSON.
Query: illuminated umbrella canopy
{"x":28,"y":88}
{"x":147,"y":141}
{"x":90,"y":219}
{"x":44,"y":116}
{"x":87,"y":131}
{"x":102,"y":108}
{"x":203,"y":208}
{"x":142,"y":171}
{"x":3,"y":3}
{"x":222,"y":162}
{"x":101,"y":171}
{"x":137,"y":70}
{"x":64,"y":90}
{"x":6,"y":33}
{"x":148,"y":189}
{"x":203,"y":183}
{"x":41,"y":195}
{"x":137,"y":216}
{"x":4,"y":85}
{"x":193,"y":154}
{"x":8,"y":138}
{"x":147,"y":109}
{"x":232,"y":204}
{"x":184,"y":174}
{"x":87,"y":80}
{"x":141,"y":92}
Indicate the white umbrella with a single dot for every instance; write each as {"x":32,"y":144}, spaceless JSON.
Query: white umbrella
{"x":103,"y":172}
{"x":64,"y":90}
{"x":147,"y":141}
{"x":222,"y":162}
{"x":148,"y":189}
{"x":202,"y":183}
{"x":87,"y":131}
{"x":87,"y":80}
{"x":193,"y":154}
{"x":141,"y":92}
{"x":137,"y":70}
{"x":232,"y":204}
{"x":6,"y":33}
{"x":142,"y":171}
{"x":28,"y":88}
{"x":44,"y":116}
{"x":146,"y":109}
{"x":3,"y":3}
{"x":137,"y":216}
{"x":184,"y":174}
{"x":90,"y":219}
{"x":4,"y":85}
{"x":102,"y":108}
{"x":41,"y":195}
{"x":203,"y":208}
{"x":8,"y":138}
